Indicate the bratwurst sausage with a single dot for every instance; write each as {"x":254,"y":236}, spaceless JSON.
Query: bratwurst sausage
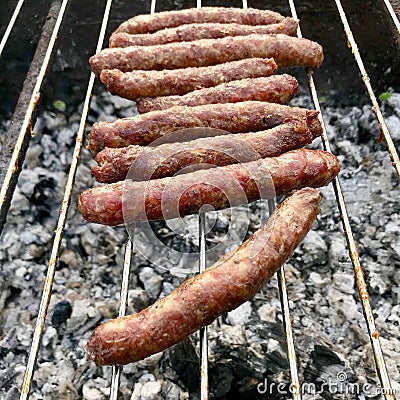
{"x":221,"y":187}
{"x":287,"y":51}
{"x":190,"y":32}
{"x":134,"y":84}
{"x":234,"y":279}
{"x":272,"y":89}
{"x":169,"y":19}
{"x":168,"y":159}
{"x":246,"y":116}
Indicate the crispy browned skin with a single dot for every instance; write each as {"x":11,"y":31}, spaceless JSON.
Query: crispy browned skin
{"x":234,"y":279}
{"x":287,"y":51}
{"x":220,"y":187}
{"x":247,"y":116}
{"x":190,"y":32}
{"x":168,"y":159}
{"x":134,"y":84}
{"x":168,"y":19}
{"x":273,"y":89}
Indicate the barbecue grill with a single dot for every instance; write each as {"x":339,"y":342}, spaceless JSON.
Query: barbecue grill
{"x":37,"y":93}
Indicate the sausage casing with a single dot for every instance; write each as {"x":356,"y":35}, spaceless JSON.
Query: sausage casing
{"x":287,"y":51}
{"x":242,"y":117}
{"x":234,"y":279}
{"x":167,"y":159}
{"x":272,"y":89}
{"x":190,"y":32}
{"x":134,"y":84}
{"x":168,"y":19}
{"x":220,"y":187}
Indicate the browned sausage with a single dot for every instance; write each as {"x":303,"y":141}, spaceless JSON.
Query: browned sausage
{"x":168,"y":159}
{"x":273,"y":89}
{"x":168,"y":19}
{"x":234,"y":279}
{"x":247,"y":116}
{"x":190,"y":32}
{"x":134,"y":84}
{"x":287,"y":51}
{"x":220,"y":187}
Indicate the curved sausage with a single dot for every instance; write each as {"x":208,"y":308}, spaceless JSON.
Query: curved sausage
{"x":134,"y":84}
{"x":272,"y":89}
{"x":168,"y":159}
{"x":287,"y":51}
{"x":221,"y":187}
{"x":168,"y":19}
{"x":198,"y":301}
{"x":190,"y":32}
{"x":242,"y":117}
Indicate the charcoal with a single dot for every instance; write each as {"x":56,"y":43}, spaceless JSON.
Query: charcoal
{"x":247,"y":345}
{"x":62,"y":311}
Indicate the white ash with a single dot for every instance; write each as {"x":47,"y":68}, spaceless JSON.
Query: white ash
{"x":247,"y":346}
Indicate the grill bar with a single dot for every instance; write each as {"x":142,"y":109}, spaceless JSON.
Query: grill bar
{"x":26,"y":108}
{"x":203,"y":331}
{"x":204,"y":388}
{"x":393,"y":15}
{"x":10,"y":25}
{"x":375,"y":106}
{"x":123,"y":305}
{"x":287,"y":324}
{"x":116,"y":370}
{"x":358,"y":271}
{"x":46,"y":293}
{"x":373,"y":333}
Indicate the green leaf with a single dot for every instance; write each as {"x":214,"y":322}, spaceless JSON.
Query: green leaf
{"x":384,"y":96}
{"x":60,"y":105}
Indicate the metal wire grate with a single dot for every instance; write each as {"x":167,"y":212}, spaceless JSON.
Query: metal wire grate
{"x":46,"y":295}
{"x":7,"y":191}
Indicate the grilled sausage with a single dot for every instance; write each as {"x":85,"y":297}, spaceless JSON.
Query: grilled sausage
{"x":287,"y":51}
{"x":273,"y":89}
{"x":190,"y":32}
{"x":169,"y":19}
{"x":168,"y":159}
{"x":247,"y":116}
{"x":134,"y":84}
{"x":198,"y":301}
{"x":220,"y":187}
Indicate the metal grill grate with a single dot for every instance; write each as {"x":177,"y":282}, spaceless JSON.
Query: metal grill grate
{"x":16,"y":160}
